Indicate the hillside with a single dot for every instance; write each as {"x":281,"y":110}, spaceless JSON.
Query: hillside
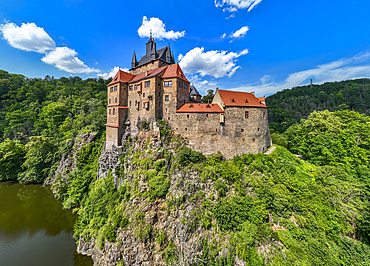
{"x":156,"y":202}
{"x":291,"y":105}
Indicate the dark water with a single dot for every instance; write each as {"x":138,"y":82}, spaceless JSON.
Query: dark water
{"x":34,"y":228}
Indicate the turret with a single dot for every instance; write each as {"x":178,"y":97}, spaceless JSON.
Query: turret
{"x":168,"y":54}
{"x":151,"y":48}
{"x":134,"y":61}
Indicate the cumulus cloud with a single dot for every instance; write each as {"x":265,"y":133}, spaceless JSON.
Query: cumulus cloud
{"x":65,"y":59}
{"x":112,"y":73}
{"x":202,"y":85}
{"x":233,"y":5}
{"x":28,"y":37}
{"x":343,"y":69}
{"x":240,"y":32}
{"x":158,"y":29}
{"x":212,"y":63}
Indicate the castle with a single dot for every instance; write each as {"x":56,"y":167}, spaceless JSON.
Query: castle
{"x":157,"y":89}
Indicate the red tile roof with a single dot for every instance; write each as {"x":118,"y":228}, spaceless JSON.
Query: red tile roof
{"x":121,"y":76}
{"x":174,"y":71}
{"x":200,"y":108}
{"x":151,"y":73}
{"x":236,"y":98}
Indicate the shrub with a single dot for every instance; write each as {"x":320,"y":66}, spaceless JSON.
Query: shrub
{"x":187,"y":156}
{"x":159,"y":185}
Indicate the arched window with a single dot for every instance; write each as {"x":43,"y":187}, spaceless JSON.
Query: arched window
{"x":114,"y":110}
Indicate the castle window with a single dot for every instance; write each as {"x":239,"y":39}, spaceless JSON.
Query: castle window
{"x":246,"y":114}
{"x":168,"y":83}
{"x":111,"y":89}
{"x":115,"y":100}
{"x":258,"y":130}
{"x":186,"y":129}
{"x":169,"y":118}
{"x":264,"y":115}
{"x":166,"y":110}
{"x":185,"y":87}
{"x":124,"y":88}
{"x":147,"y":83}
{"x":114,"y":111}
{"x":109,"y":112}
{"x":167,"y":98}
{"x":115,"y":88}
{"x":130,"y":103}
{"x":206,"y":115}
{"x":216,"y":129}
{"x":187,"y":116}
{"x":130,"y":88}
{"x":159,"y":94}
{"x":109,"y":101}
{"x":242,"y":130}
{"x":254,"y":140}
{"x":180,"y":85}
{"x":143,"y":95}
{"x":135,"y":87}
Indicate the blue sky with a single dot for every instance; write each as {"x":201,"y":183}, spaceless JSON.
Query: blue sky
{"x":247,"y":45}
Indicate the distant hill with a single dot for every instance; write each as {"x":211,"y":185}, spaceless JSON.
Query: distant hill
{"x":291,"y":105}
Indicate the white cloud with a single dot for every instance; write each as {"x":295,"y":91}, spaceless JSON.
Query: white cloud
{"x":158,"y":29}
{"x":212,"y":63}
{"x":28,"y":37}
{"x":223,"y":36}
{"x":112,"y":73}
{"x":240,"y":32}
{"x":65,"y":59}
{"x":202,"y":85}
{"x":233,"y":5}
{"x":343,"y":69}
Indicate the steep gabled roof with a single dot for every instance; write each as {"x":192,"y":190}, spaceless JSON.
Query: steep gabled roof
{"x":151,"y":73}
{"x":236,"y":98}
{"x":121,"y":76}
{"x":174,"y":71}
{"x":200,"y":108}
{"x":194,"y":91}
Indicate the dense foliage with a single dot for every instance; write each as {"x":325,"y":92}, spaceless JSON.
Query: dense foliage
{"x":291,"y":105}
{"x":39,"y":119}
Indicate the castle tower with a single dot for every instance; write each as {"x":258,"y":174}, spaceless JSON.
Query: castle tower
{"x":117,"y":110}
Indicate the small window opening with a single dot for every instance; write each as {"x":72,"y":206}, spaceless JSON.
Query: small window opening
{"x":114,"y":110}
{"x":191,"y":106}
{"x":167,"y":98}
{"x":187,"y":116}
{"x":144,"y":95}
{"x":169,"y":118}
{"x":242,"y":130}
{"x":254,"y":140}
{"x":216,"y":129}
{"x":258,"y":130}
{"x":206,"y":115}
{"x":130,"y":103}
{"x":186,"y":129}
{"x":264,"y":115}
{"x":115,"y":100}
{"x":166,"y":110}
{"x":233,"y":100}
{"x":109,"y":112}
{"x":246,"y":114}
{"x":109,"y":101}
{"x":246,"y":100}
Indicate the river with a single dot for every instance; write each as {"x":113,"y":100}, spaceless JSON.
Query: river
{"x":34,"y":228}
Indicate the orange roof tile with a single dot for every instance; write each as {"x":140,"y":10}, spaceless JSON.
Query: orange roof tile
{"x":200,"y":108}
{"x":151,"y":73}
{"x":174,"y":71}
{"x":111,"y":125}
{"x":121,"y":76}
{"x":236,"y":98}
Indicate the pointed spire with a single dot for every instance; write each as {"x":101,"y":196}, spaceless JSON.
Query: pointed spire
{"x":134,"y":61}
{"x":151,"y":36}
{"x":168,"y":55}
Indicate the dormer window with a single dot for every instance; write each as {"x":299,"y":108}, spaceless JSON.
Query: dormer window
{"x":246,"y":100}
{"x":233,"y":100}
{"x":191,"y":106}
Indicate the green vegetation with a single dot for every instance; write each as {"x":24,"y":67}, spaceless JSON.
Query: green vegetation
{"x":289,"y":106}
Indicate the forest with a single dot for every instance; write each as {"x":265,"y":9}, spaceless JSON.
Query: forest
{"x":306,"y":203}
{"x":289,"y":106}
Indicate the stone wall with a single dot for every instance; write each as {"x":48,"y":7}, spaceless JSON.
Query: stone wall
{"x":150,"y":66}
{"x":236,"y":136}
